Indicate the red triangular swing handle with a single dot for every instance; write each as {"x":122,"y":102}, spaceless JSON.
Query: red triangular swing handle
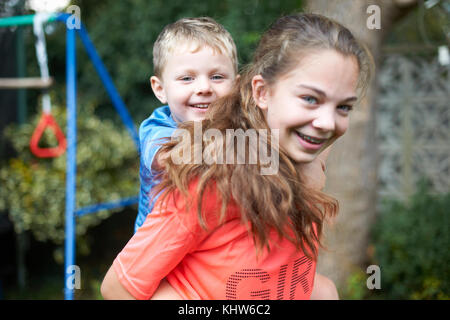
{"x":47,"y":120}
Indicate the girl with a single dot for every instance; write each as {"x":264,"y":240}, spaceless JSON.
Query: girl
{"x":224,"y":230}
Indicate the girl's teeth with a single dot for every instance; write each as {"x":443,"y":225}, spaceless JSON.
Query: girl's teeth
{"x":310,"y":139}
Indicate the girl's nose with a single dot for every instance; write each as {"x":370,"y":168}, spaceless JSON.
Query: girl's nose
{"x":325,"y":120}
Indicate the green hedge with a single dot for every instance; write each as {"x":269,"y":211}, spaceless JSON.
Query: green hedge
{"x":33,"y":190}
{"x":412,"y":244}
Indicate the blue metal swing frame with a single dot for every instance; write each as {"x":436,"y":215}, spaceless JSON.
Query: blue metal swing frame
{"x":71,"y":211}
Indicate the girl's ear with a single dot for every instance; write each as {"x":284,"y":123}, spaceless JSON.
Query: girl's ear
{"x":158,"y":89}
{"x":260,"y":91}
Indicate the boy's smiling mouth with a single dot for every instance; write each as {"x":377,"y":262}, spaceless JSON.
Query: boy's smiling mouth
{"x":200,"y":105}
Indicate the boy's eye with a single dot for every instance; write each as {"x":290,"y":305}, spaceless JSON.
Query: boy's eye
{"x":186,"y":78}
{"x":217,"y":77}
{"x":345,"y":108}
{"x":310,"y":99}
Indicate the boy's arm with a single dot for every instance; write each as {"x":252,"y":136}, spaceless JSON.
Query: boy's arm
{"x":152,"y":134}
{"x":314,"y":171}
{"x":324,"y":288}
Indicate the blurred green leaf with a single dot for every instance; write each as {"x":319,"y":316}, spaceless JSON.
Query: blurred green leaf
{"x":33,"y":190}
{"x":412,"y":244}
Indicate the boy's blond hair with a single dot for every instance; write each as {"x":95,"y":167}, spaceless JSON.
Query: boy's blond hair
{"x":200,"y":31}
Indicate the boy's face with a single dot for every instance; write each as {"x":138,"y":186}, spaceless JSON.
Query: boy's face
{"x":191,"y":81}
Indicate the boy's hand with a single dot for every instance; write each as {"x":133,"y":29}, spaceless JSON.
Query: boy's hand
{"x":314,"y":171}
{"x":324,"y":289}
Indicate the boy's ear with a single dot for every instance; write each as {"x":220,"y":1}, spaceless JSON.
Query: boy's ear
{"x":158,"y":89}
{"x":260,"y":91}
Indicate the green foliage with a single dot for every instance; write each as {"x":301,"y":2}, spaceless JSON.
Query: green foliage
{"x":412,"y":246}
{"x":33,"y":190}
{"x":422,"y":26}
{"x":123,"y":33}
{"x":356,"y":288}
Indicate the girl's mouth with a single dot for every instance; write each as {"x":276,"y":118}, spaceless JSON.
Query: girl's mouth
{"x":309,"y":142}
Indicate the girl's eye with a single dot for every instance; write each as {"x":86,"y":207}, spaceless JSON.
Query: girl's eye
{"x":310,"y":99}
{"x":186,"y":78}
{"x":345,"y":108}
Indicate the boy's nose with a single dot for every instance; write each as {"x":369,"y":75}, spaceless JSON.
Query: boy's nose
{"x":203,"y":86}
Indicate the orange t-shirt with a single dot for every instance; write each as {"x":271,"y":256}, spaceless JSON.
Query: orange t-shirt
{"x":217,"y":264}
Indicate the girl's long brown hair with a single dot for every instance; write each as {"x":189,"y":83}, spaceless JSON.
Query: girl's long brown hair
{"x":281,"y":201}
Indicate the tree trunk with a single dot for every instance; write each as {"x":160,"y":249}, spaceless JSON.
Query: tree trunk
{"x":352,"y":164}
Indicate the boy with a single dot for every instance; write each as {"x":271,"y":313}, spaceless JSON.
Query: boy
{"x":195,"y":63}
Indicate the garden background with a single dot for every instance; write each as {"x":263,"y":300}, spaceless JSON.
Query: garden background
{"x":391,"y":172}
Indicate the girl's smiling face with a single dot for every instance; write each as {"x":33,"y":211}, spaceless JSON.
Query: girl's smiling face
{"x":310,"y":104}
